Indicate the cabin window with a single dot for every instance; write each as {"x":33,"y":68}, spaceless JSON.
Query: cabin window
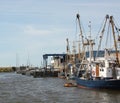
{"x":101,"y":70}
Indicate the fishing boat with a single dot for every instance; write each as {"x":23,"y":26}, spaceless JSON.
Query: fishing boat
{"x":100,"y":72}
{"x":97,"y":76}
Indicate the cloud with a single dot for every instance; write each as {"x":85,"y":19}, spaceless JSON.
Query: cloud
{"x":30,"y":30}
{"x":35,"y":30}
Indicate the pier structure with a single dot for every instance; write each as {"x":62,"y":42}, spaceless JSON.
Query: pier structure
{"x":58,"y":59}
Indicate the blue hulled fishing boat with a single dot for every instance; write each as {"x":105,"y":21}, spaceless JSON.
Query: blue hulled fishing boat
{"x":100,"y":72}
{"x":99,"y":84}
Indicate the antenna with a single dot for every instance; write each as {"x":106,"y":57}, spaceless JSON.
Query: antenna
{"x":17,"y":60}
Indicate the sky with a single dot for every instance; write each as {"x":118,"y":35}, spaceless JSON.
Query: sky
{"x":31,"y":28}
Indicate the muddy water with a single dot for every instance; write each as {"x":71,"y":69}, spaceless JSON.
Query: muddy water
{"x":17,"y":88}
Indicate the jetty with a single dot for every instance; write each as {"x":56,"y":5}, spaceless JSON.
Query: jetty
{"x":47,"y":70}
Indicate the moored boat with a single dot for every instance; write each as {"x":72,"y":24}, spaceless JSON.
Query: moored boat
{"x":103,"y":72}
{"x":70,"y":85}
{"x":99,"y":84}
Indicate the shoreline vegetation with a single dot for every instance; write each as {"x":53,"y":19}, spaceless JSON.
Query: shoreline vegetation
{"x":7,"y":69}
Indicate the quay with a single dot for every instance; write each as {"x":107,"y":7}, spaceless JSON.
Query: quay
{"x":37,"y":72}
{"x":47,"y":70}
{"x":45,"y":74}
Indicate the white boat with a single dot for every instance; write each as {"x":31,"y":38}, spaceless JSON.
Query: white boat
{"x":103,"y":72}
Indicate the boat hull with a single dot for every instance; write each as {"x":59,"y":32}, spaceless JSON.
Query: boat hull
{"x":98,"y":84}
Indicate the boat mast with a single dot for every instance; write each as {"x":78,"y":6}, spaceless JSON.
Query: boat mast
{"x":115,"y":44}
{"x":90,"y":44}
{"x":68,"y":51}
{"x":73,"y":53}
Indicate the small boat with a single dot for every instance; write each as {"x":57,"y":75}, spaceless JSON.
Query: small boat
{"x":70,"y":85}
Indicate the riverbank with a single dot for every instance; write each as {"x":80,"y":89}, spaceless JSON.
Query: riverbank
{"x":7,"y":69}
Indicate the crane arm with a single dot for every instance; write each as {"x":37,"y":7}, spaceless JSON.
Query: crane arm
{"x":78,"y":18}
{"x":101,"y":36}
{"x":115,"y":44}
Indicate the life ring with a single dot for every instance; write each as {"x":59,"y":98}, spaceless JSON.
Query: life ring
{"x":93,"y":72}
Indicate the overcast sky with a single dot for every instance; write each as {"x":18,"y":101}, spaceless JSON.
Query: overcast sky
{"x":31,"y":28}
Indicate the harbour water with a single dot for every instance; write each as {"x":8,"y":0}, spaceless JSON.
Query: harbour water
{"x":17,"y":88}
